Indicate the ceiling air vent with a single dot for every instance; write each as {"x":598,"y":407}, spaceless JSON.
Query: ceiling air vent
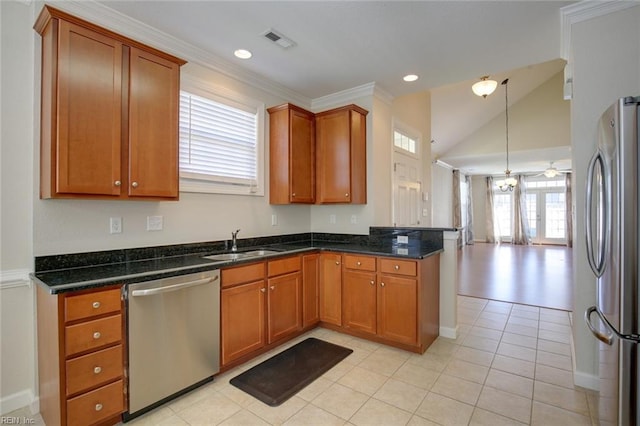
{"x":279,"y":39}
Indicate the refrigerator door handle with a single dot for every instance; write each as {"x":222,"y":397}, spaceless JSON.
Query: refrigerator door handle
{"x":597,"y":265}
{"x":607,"y":338}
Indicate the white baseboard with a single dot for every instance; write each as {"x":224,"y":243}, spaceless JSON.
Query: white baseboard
{"x":449,"y":333}
{"x":25,"y":398}
{"x":588,"y":381}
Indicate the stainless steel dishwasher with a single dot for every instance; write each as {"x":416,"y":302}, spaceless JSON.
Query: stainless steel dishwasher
{"x":173,"y":337}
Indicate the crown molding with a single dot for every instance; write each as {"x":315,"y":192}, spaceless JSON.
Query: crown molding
{"x":118,"y":22}
{"x":343,"y":97}
{"x":583,"y":11}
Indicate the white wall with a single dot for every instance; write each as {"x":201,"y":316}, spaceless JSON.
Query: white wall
{"x":479,"y":195}
{"x":606,"y":64}
{"x":17,"y":352}
{"x":441,"y":196}
{"x":539,"y":120}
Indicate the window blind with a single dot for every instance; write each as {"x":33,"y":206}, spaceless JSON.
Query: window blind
{"x":218,"y":142}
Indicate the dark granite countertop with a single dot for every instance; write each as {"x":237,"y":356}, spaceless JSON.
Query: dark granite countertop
{"x":91,"y":270}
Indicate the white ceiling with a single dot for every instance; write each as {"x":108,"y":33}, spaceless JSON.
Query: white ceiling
{"x":344,"y":44}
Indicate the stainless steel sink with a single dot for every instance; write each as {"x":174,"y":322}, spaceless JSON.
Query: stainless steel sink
{"x":240,"y":255}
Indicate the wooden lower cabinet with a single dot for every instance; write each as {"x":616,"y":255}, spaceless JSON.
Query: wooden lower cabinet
{"x":284,"y":307}
{"x":81,"y":351}
{"x":397,"y":309}
{"x":261,"y":305}
{"x":330,"y":297}
{"x":242,"y":324}
{"x":359,"y":303}
{"x":310,"y":290}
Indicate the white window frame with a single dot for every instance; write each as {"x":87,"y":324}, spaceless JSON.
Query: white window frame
{"x":189,"y":183}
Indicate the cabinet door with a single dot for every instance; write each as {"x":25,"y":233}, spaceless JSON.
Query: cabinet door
{"x":334,"y":157}
{"x":310,"y":278}
{"x":359,"y":301}
{"x":83,"y":157}
{"x":153,"y":125}
{"x":284,"y":306}
{"x":398,"y":309}
{"x":331,"y":288}
{"x":243,"y":314}
{"x":302,"y":157}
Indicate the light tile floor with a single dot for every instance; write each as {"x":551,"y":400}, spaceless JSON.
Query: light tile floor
{"x":510,"y":365}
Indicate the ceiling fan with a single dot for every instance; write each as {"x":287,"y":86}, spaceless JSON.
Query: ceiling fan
{"x":551,"y":171}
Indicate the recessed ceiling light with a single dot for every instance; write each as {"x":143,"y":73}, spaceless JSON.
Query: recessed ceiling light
{"x":242,"y":54}
{"x":410,"y":77}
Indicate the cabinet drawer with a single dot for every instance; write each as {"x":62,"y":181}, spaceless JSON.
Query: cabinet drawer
{"x":91,"y":370}
{"x":92,"y":334}
{"x":399,"y":267}
{"x":91,"y":304}
{"x":283,"y":266}
{"x":95,"y":406}
{"x":362,"y":263}
{"x":242,"y":274}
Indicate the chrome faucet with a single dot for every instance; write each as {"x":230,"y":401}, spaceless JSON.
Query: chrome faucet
{"x":234,"y":238}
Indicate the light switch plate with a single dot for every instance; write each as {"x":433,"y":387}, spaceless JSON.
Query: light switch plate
{"x":332,"y":219}
{"x":115,"y":225}
{"x":154,"y":223}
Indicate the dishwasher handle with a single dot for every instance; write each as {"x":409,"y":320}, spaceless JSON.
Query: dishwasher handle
{"x":173,"y":287}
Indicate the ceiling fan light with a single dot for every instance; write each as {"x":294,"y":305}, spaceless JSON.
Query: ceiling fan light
{"x":484,"y":87}
{"x":551,"y":172}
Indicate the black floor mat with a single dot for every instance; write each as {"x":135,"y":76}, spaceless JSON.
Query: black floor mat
{"x":283,"y":375}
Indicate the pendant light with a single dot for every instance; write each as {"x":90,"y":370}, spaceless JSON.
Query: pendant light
{"x":484,"y":87}
{"x":508,"y":183}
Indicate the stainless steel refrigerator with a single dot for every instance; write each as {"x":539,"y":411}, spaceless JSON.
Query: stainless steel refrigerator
{"x":612,"y":233}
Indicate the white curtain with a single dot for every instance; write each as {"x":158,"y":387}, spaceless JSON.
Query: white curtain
{"x":457,"y":209}
{"x":469,"y":224}
{"x":491,"y":233}
{"x":521,"y":233}
{"x":568,"y":210}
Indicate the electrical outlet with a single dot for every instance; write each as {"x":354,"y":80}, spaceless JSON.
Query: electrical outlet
{"x":154,"y":223}
{"x":403,"y":239}
{"x":354,"y":219}
{"x":115,"y":225}
{"x":274,"y":220}
{"x":332,"y":219}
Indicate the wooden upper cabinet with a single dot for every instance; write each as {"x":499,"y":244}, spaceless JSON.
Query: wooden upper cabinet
{"x":109,"y":113}
{"x":341,"y":163}
{"x":292,"y":155}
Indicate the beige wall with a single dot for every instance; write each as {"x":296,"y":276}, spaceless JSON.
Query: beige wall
{"x":606,"y":64}
{"x":537,"y":121}
{"x":17,"y":348}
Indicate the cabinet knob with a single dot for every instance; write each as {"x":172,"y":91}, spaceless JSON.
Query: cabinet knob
{"x":95,"y":305}
{"x":337,"y":263}
{"x":397,"y":267}
{"x":381,"y":284}
{"x":117,"y":183}
{"x":358,"y":263}
{"x":293,"y":195}
{"x":272,"y":287}
{"x":263,"y":289}
{"x":98,"y":407}
{"x":134,"y":184}
{"x":373,"y":282}
{"x":96,"y":335}
{"x":346,"y":195}
{"x":97,"y":370}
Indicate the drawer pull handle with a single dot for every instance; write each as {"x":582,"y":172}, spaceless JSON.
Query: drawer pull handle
{"x":396,"y":267}
{"x":97,"y":370}
{"x":98,"y":407}
{"x":96,"y":335}
{"x":95,"y":305}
